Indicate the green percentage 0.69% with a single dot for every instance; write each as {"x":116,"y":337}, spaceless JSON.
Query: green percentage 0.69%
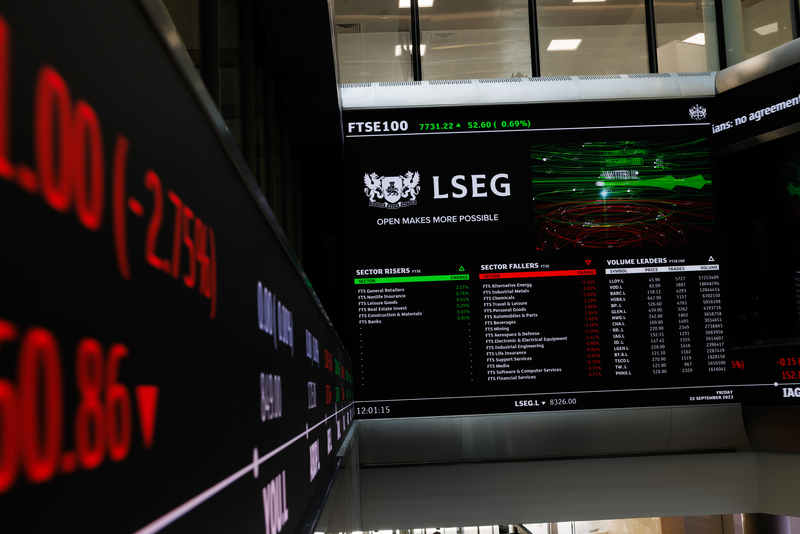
{"x":481,"y":125}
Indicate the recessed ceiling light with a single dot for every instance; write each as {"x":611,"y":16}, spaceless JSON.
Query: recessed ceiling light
{"x":563,"y":44}
{"x":422,"y":3}
{"x":586,"y":1}
{"x":766,"y":30}
{"x":698,"y":39}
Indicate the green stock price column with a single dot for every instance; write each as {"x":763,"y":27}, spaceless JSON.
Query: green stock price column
{"x":402,"y":318}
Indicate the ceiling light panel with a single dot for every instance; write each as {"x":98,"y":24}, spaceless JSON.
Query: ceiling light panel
{"x":398,"y":51}
{"x":766,"y":30}
{"x":422,"y":3}
{"x":698,"y":39}
{"x":563,"y":44}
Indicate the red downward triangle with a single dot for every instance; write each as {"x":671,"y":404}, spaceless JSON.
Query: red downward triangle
{"x":147,"y":399}
{"x":588,"y":262}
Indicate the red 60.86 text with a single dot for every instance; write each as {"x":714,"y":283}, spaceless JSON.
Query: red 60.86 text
{"x":32,"y":411}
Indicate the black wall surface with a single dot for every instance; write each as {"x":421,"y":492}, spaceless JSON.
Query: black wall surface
{"x":132,"y":390}
{"x":306,"y":70}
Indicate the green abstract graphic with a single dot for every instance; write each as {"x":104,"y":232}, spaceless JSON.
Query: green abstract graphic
{"x":621,"y":193}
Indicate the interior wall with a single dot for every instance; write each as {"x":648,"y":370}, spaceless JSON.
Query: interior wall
{"x":580,"y":490}
{"x":778,"y":481}
{"x":342,"y":511}
{"x":552,"y":434}
{"x":562,"y":490}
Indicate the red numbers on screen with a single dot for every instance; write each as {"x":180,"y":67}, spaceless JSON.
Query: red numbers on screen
{"x":119,"y":204}
{"x":190,"y":278}
{"x":118,"y":406}
{"x":177,"y":234}
{"x":89,"y":420}
{"x":32,"y":412}
{"x":188,"y":233}
{"x":103,"y":417}
{"x":153,"y":184}
{"x":52,"y":132}
{"x":9,"y":439}
{"x":89,"y":165}
{"x":69,"y":152}
{"x":207,"y":258}
{"x":40,"y":428}
{"x":69,"y":174}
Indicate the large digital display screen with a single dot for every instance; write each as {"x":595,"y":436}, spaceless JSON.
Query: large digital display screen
{"x":540,"y":257}
{"x":164,"y":365}
{"x":768,"y":106}
{"x":755,"y":141}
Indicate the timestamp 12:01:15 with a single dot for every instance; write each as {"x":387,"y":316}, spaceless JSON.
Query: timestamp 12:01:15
{"x":372,"y":410}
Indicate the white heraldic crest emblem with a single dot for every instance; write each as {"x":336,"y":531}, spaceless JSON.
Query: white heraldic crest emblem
{"x":392,"y":189}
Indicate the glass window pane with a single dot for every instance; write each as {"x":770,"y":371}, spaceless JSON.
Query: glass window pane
{"x":686,"y":35}
{"x":474,"y":39}
{"x":230,"y":91}
{"x":591,"y":37}
{"x":373,"y":41}
{"x":755,"y":26}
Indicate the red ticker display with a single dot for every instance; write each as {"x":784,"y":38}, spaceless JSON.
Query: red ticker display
{"x":569,"y":259}
{"x":164,"y":363}
{"x":33,"y":414}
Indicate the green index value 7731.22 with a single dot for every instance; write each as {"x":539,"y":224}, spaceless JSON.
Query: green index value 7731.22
{"x":438,"y":126}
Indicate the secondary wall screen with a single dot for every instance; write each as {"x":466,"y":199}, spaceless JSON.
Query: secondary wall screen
{"x":528,"y":258}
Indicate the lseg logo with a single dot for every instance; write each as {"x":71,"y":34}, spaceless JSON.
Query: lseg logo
{"x":392,"y":189}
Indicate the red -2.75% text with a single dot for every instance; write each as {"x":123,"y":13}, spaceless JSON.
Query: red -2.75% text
{"x":70,"y":176}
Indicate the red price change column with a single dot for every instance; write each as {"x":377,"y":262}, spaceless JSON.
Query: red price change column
{"x":525,"y":336}
{"x":591,"y":327}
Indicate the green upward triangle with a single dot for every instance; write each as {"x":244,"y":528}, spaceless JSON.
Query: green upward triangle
{"x":461,"y":269}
